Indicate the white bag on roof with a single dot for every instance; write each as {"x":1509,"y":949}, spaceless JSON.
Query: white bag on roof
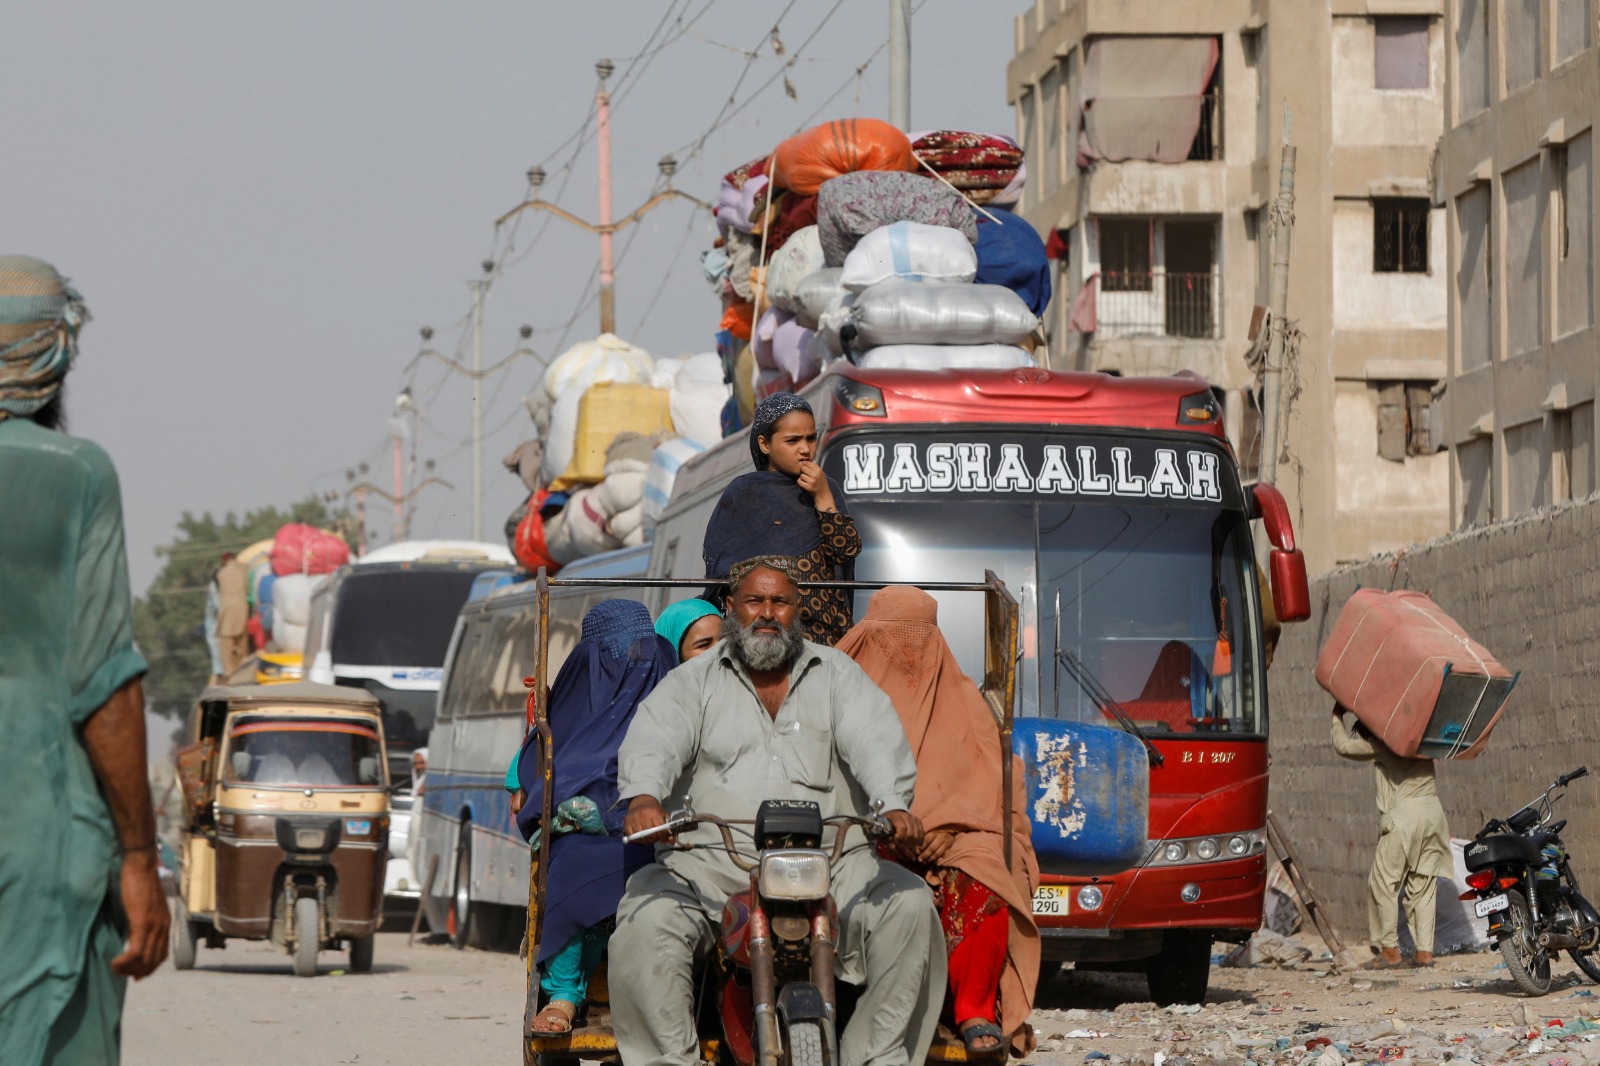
{"x":579,"y":531}
{"x":814,"y":293}
{"x":931,"y":312}
{"x":800,"y":256}
{"x":623,"y":487}
{"x":664,"y":464}
{"x":909,"y":250}
{"x":665,"y":370}
{"x":698,"y":396}
{"x":291,"y":597}
{"x":562,"y":439}
{"x":628,"y":526}
{"x":287,"y":635}
{"x":606,"y":358}
{"x":945,"y":357}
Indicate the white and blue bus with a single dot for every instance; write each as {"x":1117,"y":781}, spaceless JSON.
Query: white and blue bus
{"x":467,"y":840}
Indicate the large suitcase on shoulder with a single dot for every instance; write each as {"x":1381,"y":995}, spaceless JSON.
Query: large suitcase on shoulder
{"x":1413,"y":676}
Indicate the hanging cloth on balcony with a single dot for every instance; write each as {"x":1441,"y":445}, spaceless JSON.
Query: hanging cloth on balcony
{"x":1142,"y":97}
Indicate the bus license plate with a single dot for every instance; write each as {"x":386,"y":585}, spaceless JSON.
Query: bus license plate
{"x":1051,"y":899}
{"x":1484,"y":907}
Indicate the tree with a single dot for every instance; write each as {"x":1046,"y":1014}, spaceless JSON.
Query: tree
{"x":169,"y":620}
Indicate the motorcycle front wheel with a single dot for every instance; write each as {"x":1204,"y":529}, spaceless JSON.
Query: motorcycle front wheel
{"x":805,"y":1044}
{"x":1528,"y":963}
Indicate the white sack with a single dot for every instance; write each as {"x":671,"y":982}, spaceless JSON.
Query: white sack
{"x":628,"y":526}
{"x":623,"y":486}
{"x":800,"y":256}
{"x":606,"y":358}
{"x":664,"y":464}
{"x":579,"y":530}
{"x":836,"y":316}
{"x":909,"y":250}
{"x":698,"y":396}
{"x":665,"y":371}
{"x":562,"y":439}
{"x":813,"y":295}
{"x":911,"y":312}
{"x":291,"y":597}
{"x":945,"y":357}
{"x":287,"y":635}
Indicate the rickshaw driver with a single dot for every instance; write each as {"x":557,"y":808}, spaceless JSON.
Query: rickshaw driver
{"x":766,"y":714}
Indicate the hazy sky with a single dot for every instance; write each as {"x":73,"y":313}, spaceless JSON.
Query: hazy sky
{"x":262,"y":203}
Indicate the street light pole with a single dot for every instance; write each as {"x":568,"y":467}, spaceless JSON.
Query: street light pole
{"x":900,"y":64}
{"x":480,"y":289}
{"x":608,"y":275}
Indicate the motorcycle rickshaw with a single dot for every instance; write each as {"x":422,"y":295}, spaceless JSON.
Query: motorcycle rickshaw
{"x":286,"y":822}
{"x":800,"y":987}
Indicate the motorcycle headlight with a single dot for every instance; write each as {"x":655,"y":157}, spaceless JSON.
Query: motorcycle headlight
{"x":794,"y":873}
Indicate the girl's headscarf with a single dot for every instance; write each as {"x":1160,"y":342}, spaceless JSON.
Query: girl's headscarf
{"x":956,"y":741}
{"x":678,"y":617}
{"x":615,"y":665}
{"x":39,"y":319}
{"x":769,"y":413}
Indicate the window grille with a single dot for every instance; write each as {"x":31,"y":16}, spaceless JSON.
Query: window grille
{"x":1400,"y":236}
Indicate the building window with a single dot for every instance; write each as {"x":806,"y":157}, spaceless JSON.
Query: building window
{"x":1400,"y":52}
{"x":1125,"y":259}
{"x":1405,"y":419}
{"x":1475,"y":481}
{"x":1574,"y":443}
{"x":1572,"y":165}
{"x":1400,"y":236}
{"x":1574,"y":28}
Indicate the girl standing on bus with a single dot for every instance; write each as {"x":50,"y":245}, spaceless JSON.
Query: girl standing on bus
{"x":986,"y":910}
{"x":788,"y":506}
{"x":615,"y":665}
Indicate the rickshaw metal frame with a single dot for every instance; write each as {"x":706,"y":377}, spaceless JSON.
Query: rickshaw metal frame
{"x":1000,"y":655}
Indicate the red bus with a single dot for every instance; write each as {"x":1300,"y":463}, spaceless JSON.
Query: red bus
{"x":1113,"y":510}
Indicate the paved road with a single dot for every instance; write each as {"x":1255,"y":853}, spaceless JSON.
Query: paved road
{"x":424,"y":1004}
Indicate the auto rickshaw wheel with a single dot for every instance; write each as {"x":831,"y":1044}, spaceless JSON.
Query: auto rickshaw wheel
{"x":361,"y":954}
{"x":307,"y":937}
{"x":183,"y":939}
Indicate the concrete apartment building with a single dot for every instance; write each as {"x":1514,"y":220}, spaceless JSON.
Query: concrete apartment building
{"x":1152,"y":132}
{"x":1516,"y":175}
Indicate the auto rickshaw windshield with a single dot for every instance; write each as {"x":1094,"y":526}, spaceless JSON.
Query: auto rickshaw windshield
{"x":297,"y":752}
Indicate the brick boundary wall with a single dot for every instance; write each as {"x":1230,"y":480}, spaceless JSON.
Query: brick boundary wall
{"x":1529,"y":590}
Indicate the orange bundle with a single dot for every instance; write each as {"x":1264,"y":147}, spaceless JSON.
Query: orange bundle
{"x":806,"y":160}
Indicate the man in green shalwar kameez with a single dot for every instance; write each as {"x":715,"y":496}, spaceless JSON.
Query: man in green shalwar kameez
{"x":81,"y":906}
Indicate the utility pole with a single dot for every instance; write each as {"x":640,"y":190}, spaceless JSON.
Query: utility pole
{"x":608,"y":276}
{"x":480,"y":289}
{"x":402,"y":434}
{"x":1278,"y":324}
{"x":900,"y":64}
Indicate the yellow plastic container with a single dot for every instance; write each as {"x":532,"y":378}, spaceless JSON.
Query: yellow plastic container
{"x":609,"y":408}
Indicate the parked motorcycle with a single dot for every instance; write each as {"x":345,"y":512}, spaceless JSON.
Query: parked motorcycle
{"x":1524,"y":884}
{"x":776,"y":994}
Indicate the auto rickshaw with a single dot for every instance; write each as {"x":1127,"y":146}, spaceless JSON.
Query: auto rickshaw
{"x":286,"y":827}
{"x":722,"y":1043}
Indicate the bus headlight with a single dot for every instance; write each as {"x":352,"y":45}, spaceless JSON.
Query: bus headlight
{"x":1238,"y":845}
{"x":1090,"y":898}
{"x":1206,"y":849}
{"x":794,"y":873}
{"x":1175,"y":851}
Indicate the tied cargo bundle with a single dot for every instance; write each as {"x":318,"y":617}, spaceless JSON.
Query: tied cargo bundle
{"x":1411,"y":674}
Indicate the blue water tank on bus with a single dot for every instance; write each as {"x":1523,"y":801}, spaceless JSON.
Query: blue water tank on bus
{"x":1088,"y":795}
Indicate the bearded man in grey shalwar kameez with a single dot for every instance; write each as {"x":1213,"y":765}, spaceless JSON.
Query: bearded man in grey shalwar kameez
{"x":766,"y":714}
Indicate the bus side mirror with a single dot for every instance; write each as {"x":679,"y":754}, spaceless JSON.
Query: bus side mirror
{"x":1291,"y":592}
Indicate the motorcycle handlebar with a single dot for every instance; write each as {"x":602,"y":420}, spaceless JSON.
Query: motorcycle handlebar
{"x":1566,"y":779}
{"x":877,"y":827}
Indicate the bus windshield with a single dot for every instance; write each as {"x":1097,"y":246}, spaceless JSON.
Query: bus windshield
{"x":1148,"y":604}
{"x":400,"y":618}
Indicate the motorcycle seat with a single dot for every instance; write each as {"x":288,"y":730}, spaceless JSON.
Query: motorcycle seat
{"x":1500,"y":849}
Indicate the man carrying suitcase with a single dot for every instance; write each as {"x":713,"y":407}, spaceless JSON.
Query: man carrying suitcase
{"x":1413,"y":844}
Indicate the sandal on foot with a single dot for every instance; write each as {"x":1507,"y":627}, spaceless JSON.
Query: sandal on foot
{"x":1380,"y":963}
{"x":555,"y":1019}
{"x":973,"y":1031}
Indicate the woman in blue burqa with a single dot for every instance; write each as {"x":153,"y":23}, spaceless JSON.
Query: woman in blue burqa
{"x":788,"y":506}
{"x":615,"y":665}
